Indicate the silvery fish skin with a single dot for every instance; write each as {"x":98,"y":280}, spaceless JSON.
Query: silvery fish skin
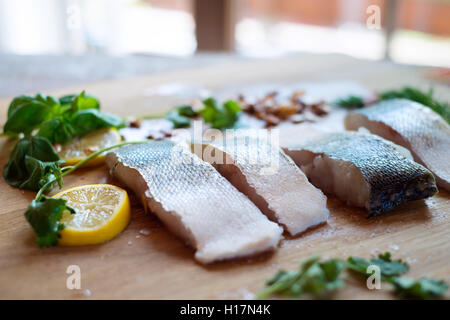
{"x":413,"y":126}
{"x":363,"y":170}
{"x":194,"y":200}
{"x":268,"y":177}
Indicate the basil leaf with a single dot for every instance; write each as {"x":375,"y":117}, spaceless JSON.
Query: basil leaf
{"x":57,"y":130}
{"x":17,"y":173}
{"x":17,"y":102}
{"x":44,"y":216}
{"x":84,"y":121}
{"x":81,"y":101}
{"x":41,"y":173}
{"x":25,"y":116}
{"x":67,"y":99}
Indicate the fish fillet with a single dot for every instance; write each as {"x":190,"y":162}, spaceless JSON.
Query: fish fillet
{"x":412,"y":126}
{"x":194,"y":200}
{"x":363,"y":170}
{"x":268,"y":177}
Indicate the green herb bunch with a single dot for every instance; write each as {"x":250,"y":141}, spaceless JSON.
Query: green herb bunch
{"x":42,"y":121}
{"x":39,"y":122}
{"x":319,"y":278}
{"x":219,"y":116}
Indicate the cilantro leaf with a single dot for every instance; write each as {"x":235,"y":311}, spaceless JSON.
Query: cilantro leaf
{"x":313,"y":277}
{"x":423,"y":288}
{"x":388,"y":267}
{"x":180,"y":116}
{"x":351,"y":102}
{"x":186,"y":111}
{"x":220,"y":117}
{"x":44,"y":216}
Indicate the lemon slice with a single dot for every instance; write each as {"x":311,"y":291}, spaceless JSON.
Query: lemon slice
{"x":80,"y":147}
{"x":102,"y":212}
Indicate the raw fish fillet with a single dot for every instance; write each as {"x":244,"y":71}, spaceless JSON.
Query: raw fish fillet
{"x":363,"y":170}
{"x":194,"y":200}
{"x":268,"y":177}
{"x":412,"y":126}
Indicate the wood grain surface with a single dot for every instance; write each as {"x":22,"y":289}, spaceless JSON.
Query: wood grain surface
{"x":154,"y":264}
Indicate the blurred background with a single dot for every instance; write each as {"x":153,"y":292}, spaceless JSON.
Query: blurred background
{"x":41,"y":35}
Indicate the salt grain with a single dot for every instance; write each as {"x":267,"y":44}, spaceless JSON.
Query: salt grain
{"x":394,"y":247}
{"x":130,"y":243}
{"x":87,"y":293}
{"x":144,"y":232}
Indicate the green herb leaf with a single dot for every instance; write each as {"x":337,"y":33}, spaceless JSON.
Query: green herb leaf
{"x":178,"y":120}
{"x":423,"y":288}
{"x":26,"y":113}
{"x":44,"y":216}
{"x":81,"y":102}
{"x":313,"y":277}
{"x":84,"y":121}
{"x":29,"y":162}
{"x":186,"y":111}
{"x":180,"y":116}
{"x":40,"y":173}
{"x":57,"y":130}
{"x":425,"y":98}
{"x":220,"y":117}
{"x":388,"y":267}
{"x":351,"y":102}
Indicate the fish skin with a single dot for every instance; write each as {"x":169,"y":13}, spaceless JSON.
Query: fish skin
{"x":272,"y":180}
{"x":195,"y":201}
{"x":413,"y":126}
{"x":393,"y":178}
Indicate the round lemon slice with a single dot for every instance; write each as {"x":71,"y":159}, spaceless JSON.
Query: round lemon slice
{"x":102,"y":211}
{"x":80,"y":147}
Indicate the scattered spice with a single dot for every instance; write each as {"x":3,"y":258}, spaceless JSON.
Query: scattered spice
{"x":273,"y":111}
{"x":135,"y":123}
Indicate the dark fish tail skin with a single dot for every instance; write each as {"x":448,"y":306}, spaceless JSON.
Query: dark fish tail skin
{"x":423,"y":187}
{"x":412,"y":125}
{"x":393,"y":178}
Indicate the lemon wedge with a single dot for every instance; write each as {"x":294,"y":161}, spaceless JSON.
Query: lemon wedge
{"x":102,"y":212}
{"x":80,"y":147}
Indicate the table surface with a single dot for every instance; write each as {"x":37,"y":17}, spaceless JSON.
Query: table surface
{"x":158,"y":265}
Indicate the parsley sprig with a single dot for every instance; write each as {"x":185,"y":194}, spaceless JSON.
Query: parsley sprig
{"x":313,"y":277}
{"x":44,"y":213}
{"x":219,"y":116}
{"x":318,"y":277}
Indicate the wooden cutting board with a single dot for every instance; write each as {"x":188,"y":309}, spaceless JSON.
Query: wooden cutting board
{"x":148,"y":262}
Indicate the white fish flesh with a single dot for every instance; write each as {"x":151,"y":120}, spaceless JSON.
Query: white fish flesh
{"x":268,"y":177}
{"x":413,"y":126}
{"x":194,"y":201}
{"x":363,"y":169}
